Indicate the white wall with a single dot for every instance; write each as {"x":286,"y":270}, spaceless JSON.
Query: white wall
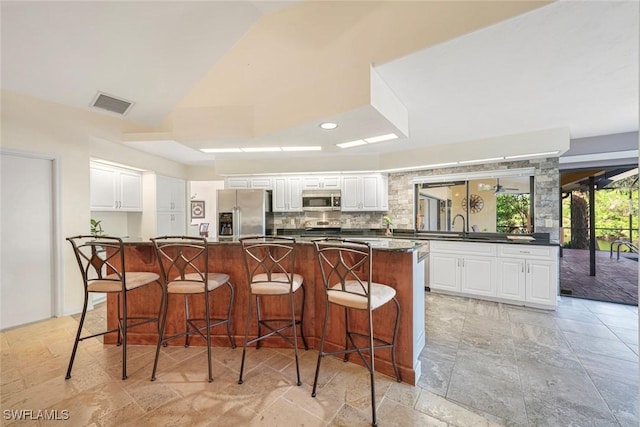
{"x":72,"y":136}
{"x":205,"y":190}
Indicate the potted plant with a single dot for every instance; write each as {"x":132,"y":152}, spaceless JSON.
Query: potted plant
{"x":389,"y":223}
{"x":96,"y":228}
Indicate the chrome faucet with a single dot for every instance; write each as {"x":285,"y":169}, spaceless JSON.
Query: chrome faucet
{"x":453,"y":223}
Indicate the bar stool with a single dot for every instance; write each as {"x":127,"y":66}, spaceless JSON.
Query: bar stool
{"x":346,"y":269}
{"x":101,"y":262}
{"x":184,"y":265}
{"x":270,"y":265}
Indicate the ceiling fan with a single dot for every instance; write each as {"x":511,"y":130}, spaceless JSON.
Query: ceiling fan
{"x":496,"y":188}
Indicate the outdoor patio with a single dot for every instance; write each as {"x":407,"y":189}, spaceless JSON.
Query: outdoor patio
{"x":615,"y":280}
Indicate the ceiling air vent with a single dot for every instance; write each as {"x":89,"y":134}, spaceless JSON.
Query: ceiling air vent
{"x":111,"y":103}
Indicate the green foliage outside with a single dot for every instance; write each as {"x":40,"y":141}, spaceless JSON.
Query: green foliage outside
{"x":512,"y":213}
{"x":612,"y":210}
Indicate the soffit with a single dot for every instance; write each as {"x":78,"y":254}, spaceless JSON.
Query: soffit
{"x":312,"y":61}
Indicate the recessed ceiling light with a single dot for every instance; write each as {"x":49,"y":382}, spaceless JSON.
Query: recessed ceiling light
{"x":260,"y":149}
{"x":352,"y":143}
{"x":307,"y":148}
{"x":328,"y":125}
{"x":221,"y":150}
{"x":381,"y":138}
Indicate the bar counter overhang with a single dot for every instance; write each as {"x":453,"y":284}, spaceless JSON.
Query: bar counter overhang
{"x":397,"y":263}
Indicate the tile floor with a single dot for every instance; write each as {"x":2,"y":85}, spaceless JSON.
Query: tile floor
{"x":576,"y":366}
{"x":485,"y":364}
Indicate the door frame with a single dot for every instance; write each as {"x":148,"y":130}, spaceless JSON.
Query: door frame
{"x":57,"y":291}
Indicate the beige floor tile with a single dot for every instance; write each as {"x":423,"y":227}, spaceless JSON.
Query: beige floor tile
{"x":175,"y":413}
{"x":348,"y":416}
{"x":285,"y":413}
{"x":40,"y":396}
{"x":127,"y":416}
{"x":34,"y":365}
{"x":91,"y":405}
{"x":324,"y":406}
{"x":391,"y":413}
{"x":150,"y":395}
{"x":403,"y":393}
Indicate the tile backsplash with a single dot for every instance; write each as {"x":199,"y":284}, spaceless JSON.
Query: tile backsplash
{"x":349,"y":220}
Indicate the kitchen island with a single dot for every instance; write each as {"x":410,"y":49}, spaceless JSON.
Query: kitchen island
{"x":396,"y":262}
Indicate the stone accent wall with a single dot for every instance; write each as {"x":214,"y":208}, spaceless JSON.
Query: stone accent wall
{"x":401,"y":191}
{"x":546,"y":192}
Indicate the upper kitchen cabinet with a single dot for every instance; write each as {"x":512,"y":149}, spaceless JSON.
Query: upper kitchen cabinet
{"x":115,"y":189}
{"x":367,"y":192}
{"x":253,"y":182}
{"x":170,"y":194}
{"x":287,"y":194}
{"x":321,"y":182}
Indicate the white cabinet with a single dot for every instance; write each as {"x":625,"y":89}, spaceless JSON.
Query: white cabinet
{"x":287,"y":194}
{"x":321,"y":182}
{"x":514,"y":273}
{"x":478,"y":275}
{"x":511,"y":279}
{"x":463,"y":267}
{"x":528,"y":274}
{"x":170,"y":193}
{"x":365,"y":192}
{"x":253,"y":182}
{"x":170,"y":224}
{"x":444,"y":272}
{"x":115,"y":189}
{"x":170,"y":206}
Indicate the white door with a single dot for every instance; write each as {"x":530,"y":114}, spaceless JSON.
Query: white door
{"x":26,"y":235}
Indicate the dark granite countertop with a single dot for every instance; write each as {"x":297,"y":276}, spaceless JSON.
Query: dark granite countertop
{"x":540,"y":239}
{"x":401,"y":240}
{"x":378,"y":243}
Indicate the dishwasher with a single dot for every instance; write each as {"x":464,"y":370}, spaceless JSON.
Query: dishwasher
{"x":423,"y":256}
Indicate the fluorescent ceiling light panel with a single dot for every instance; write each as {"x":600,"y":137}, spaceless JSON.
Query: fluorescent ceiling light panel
{"x":260,"y":149}
{"x":352,"y":143}
{"x":119,"y":165}
{"x":221,"y":150}
{"x":492,"y":159}
{"x":328,"y":125}
{"x":521,"y":156}
{"x":307,"y":148}
{"x":387,"y":137}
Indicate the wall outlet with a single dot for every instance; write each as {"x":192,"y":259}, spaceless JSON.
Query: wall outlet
{"x":548,"y":223}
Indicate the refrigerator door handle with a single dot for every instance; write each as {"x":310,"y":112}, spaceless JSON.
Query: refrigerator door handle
{"x":236,"y":222}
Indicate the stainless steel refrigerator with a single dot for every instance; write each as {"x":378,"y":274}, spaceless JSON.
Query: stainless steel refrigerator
{"x":244,"y":213}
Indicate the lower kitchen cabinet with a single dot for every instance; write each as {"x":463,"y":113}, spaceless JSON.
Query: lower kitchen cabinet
{"x":468,"y":268}
{"x":444,"y":273}
{"x":170,"y":224}
{"x":478,"y":275}
{"x":511,"y":279}
{"x":473,"y":275}
{"x":515,"y":273}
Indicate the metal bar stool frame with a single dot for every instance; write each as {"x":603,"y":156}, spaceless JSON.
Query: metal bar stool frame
{"x":270,"y":261}
{"x":343,"y":263}
{"x":107,"y":274}
{"x":178,"y":257}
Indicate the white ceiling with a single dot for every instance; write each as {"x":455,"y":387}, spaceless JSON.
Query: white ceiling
{"x":570,"y":64}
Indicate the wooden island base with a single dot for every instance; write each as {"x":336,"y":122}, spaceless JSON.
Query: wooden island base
{"x":399,"y":269}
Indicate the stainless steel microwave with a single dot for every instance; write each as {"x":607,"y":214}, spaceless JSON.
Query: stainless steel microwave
{"x":321,"y":200}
